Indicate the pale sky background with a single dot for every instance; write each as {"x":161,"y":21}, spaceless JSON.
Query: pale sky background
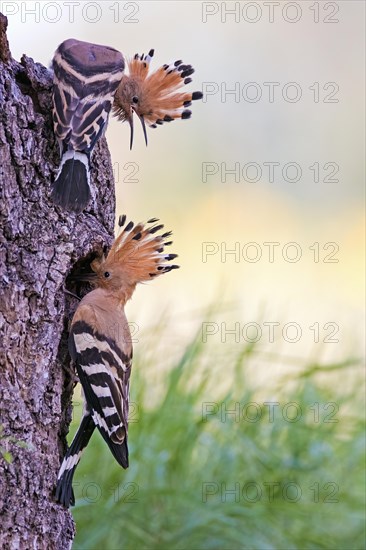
{"x":320,"y":62}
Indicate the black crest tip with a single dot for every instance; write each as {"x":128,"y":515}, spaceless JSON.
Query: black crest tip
{"x":121,"y":220}
{"x":197,"y":95}
{"x":170,"y":268}
{"x":156,"y":228}
{"x":186,"y":114}
{"x":187,"y":72}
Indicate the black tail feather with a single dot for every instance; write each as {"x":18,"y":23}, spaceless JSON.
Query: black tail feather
{"x":71,"y":189}
{"x":64,"y":491}
{"x":118,"y":450}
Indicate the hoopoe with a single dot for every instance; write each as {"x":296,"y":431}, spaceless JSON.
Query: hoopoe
{"x":88,"y":80}
{"x":100,"y":341}
{"x":86,"y":77}
{"x":154,"y":98}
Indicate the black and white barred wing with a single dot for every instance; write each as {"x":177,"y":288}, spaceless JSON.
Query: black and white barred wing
{"x":104,"y":373}
{"x":86,"y":77}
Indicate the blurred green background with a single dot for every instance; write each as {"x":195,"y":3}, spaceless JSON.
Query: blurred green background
{"x":253,"y":467}
{"x":297,"y":328}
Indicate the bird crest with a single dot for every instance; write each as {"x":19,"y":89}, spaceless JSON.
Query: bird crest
{"x":155,"y":98}
{"x":137,"y":255}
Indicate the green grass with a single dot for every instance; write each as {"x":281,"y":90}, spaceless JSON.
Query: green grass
{"x":298,"y":485}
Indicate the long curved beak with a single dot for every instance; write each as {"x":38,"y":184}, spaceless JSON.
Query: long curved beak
{"x":143,"y":127}
{"x":86,"y":277}
{"x":130,"y":121}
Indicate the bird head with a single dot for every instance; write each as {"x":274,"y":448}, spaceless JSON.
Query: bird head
{"x":130,"y":100}
{"x":137,"y":255}
{"x":153,"y":98}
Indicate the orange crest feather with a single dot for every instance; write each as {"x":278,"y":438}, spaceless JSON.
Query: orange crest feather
{"x":137,"y":255}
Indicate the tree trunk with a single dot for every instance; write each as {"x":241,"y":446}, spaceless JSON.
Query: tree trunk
{"x":39,"y":245}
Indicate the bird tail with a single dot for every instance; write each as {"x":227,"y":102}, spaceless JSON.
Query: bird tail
{"x":71,"y":190}
{"x":118,"y":450}
{"x":64,"y":490}
{"x":138,"y":252}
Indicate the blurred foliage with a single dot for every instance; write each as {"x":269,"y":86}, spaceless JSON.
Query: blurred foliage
{"x":282,"y":476}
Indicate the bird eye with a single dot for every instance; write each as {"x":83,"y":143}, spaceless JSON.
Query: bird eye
{"x":135,"y":99}
{"x":107,"y":274}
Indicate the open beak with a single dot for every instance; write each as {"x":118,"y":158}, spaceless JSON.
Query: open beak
{"x":130,"y":121}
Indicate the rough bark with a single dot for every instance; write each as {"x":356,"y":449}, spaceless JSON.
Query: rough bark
{"x":39,"y":246}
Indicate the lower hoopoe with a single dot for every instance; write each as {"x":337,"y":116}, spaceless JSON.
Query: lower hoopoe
{"x":100,"y":341}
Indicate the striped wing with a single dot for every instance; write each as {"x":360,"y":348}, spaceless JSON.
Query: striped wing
{"x":86,"y":77}
{"x":104,"y":373}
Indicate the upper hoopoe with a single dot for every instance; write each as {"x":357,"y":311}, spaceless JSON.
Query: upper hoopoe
{"x":100,"y":342}
{"x":86,"y":77}
{"x":154,"y":98}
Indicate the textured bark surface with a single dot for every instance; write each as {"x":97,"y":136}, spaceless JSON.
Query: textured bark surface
{"x":39,"y":245}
